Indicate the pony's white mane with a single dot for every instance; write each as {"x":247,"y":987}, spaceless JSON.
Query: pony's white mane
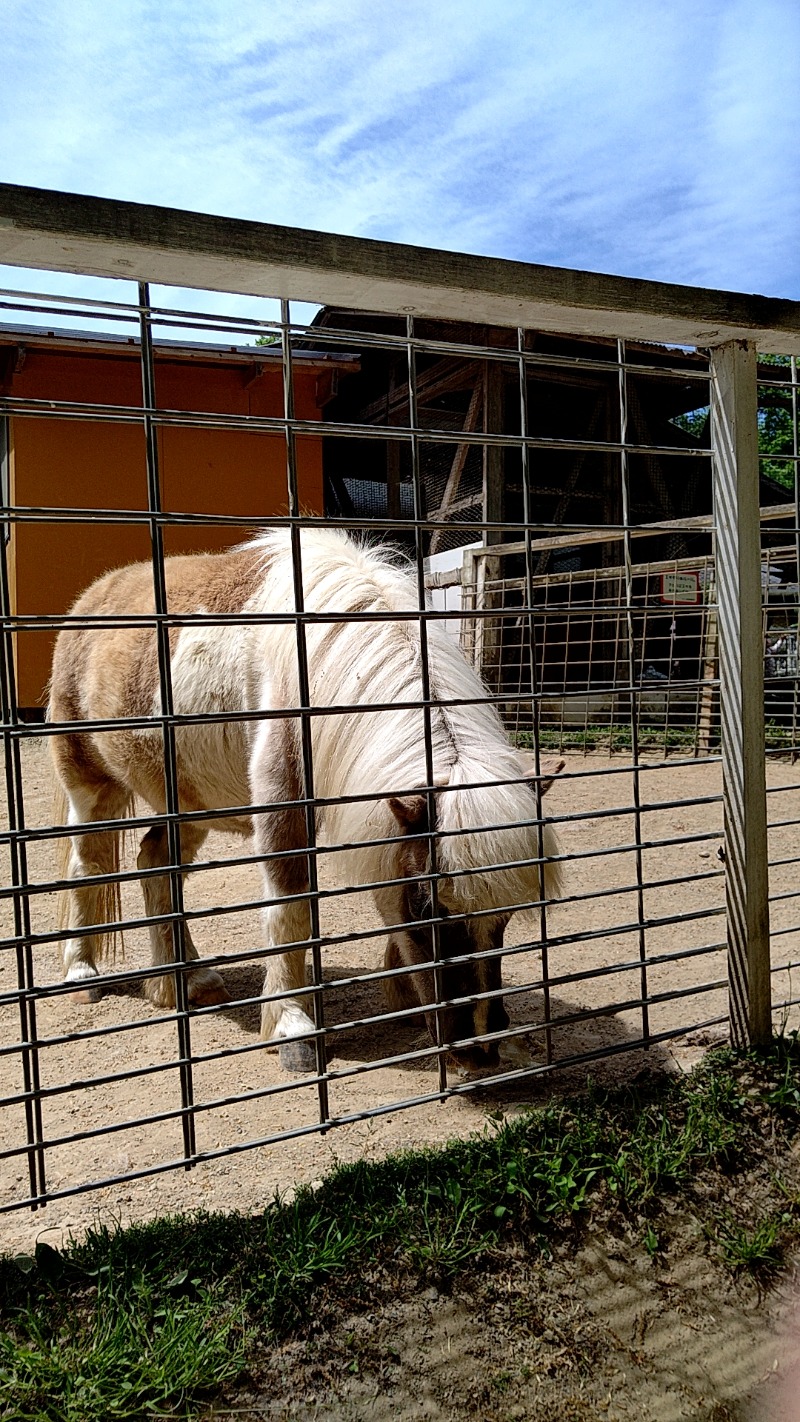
{"x":382,"y":752}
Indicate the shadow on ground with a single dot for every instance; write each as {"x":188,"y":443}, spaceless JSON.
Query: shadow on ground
{"x":572,"y":1031}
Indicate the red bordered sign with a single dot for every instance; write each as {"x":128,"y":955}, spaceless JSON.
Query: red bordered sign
{"x":680,"y":587}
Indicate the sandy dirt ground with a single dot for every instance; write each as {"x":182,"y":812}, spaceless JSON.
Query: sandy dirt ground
{"x":590,"y":1013}
{"x":596,"y":1331}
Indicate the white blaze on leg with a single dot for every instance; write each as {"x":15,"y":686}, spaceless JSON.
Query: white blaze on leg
{"x":286,"y":972}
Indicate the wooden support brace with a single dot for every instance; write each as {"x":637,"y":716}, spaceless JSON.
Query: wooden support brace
{"x":449,"y":502}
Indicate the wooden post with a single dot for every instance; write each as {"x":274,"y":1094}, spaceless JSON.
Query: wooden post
{"x":734,"y":426}
{"x":479,"y":603}
{"x":468,"y":603}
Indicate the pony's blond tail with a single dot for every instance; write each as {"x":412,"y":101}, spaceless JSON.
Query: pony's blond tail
{"x":108,"y":897}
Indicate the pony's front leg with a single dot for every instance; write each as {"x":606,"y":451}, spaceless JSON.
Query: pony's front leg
{"x":283,"y":1018}
{"x":205,"y":986}
{"x":274,"y":777}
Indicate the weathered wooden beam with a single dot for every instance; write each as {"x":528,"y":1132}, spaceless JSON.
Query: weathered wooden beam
{"x":452,"y":577}
{"x":437,"y":380}
{"x":566,"y":494}
{"x":102,"y":237}
{"x":458,"y":505}
{"x":696,"y":523}
{"x":734,"y":433}
{"x":449,"y":502}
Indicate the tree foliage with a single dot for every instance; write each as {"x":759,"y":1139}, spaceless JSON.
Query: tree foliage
{"x":775,"y":427}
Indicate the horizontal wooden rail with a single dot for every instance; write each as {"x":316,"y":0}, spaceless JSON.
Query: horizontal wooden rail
{"x":103,"y":237}
{"x":697,"y":524}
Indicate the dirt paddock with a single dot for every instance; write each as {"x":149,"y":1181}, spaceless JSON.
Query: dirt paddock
{"x":586,"y":1012}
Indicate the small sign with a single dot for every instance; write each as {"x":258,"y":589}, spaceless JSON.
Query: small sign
{"x":680,"y":587}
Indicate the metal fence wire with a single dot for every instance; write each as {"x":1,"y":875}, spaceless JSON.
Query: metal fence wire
{"x":557,"y":630}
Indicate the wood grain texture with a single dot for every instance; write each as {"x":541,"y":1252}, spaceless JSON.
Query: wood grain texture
{"x":103,"y":237}
{"x":734,"y":429}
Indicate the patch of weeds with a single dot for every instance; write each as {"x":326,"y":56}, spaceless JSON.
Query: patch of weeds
{"x":448,"y":1234}
{"x":501,"y":1381}
{"x":549,"y":1181}
{"x":778,"y":737}
{"x":300,"y":1247}
{"x":610,"y":738}
{"x":760,"y":1250}
{"x":786,"y":1094}
{"x":566,"y":1180}
{"x":668,"y":1140}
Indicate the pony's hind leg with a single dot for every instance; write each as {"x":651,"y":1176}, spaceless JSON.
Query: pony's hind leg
{"x":204,"y":984}
{"x":91,"y":854}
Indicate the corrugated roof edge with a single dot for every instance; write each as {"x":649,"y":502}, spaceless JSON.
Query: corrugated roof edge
{"x":67,"y":339}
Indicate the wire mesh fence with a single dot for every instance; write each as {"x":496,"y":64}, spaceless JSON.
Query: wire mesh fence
{"x":465,"y":822}
{"x":580,"y":623}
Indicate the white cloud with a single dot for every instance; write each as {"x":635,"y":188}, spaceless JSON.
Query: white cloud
{"x":649,"y":140}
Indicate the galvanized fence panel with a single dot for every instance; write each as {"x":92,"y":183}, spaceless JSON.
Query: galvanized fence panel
{"x":780,"y":562}
{"x":450,"y":453}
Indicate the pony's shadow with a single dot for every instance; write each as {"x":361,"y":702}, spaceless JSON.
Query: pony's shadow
{"x":599,"y":1043}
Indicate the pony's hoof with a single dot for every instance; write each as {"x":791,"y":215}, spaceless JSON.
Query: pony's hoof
{"x":466,"y":1066}
{"x":87,"y":995}
{"x":82,"y":983}
{"x":295,"y":1056}
{"x":209,"y":991}
{"x":519,"y":1052}
{"x":160,"y":992}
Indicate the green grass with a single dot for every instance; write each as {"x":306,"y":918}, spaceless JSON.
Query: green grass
{"x":618,"y":738}
{"x":760,"y":1249}
{"x":139,"y":1351}
{"x":153,"y":1319}
{"x":610,"y":738}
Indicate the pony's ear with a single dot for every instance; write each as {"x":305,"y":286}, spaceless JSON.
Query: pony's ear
{"x":410,"y":811}
{"x":548,"y":770}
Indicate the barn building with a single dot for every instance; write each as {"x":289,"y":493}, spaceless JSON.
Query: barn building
{"x":91,"y":456}
{"x":573,"y":407}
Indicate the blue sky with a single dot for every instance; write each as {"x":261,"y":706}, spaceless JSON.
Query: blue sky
{"x":639,"y":137}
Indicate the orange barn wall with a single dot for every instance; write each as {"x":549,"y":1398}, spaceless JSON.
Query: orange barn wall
{"x":76,"y":463}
